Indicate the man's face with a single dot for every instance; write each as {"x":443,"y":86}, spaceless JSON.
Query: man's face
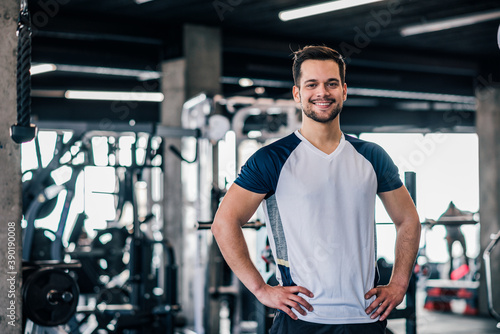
{"x":321,"y":94}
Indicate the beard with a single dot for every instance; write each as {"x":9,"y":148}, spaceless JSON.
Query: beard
{"x":320,"y":117}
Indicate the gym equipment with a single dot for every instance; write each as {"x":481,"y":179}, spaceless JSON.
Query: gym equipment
{"x":40,"y":194}
{"x":43,"y":240}
{"x":256,"y":225}
{"x":130,"y":271}
{"x":209,"y":272}
{"x":108,"y":249}
{"x":103,"y":257}
{"x":460,"y":282}
{"x":50,"y":294}
{"x":201,"y":115}
{"x":23,"y":131}
{"x":441,"y":292}
{"x":144,"y":299}
{"x":201,"y":122}
{"x":38,"y":182}
{"x":110,"y":302}
{"x":262,"y":120}
{"x":487,"y":268}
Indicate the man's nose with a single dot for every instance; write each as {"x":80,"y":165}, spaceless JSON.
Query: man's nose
{"x":322,"y":90}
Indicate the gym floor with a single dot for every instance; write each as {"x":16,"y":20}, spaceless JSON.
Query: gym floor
{"x":447,"y":323}
{"x":433,"y":322}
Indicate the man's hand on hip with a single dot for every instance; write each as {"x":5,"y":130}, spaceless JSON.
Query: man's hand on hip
{"x":285,"y":298}
{"x":388,"y":297}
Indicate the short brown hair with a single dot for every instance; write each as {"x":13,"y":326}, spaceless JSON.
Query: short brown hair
{"x":316,"y":52}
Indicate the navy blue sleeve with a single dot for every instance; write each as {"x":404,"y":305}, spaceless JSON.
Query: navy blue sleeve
{"x":387,"y":172}
{"x":255,"y":175}
{"x":261,"y":171}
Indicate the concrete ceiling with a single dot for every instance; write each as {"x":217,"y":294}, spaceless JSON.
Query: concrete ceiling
{"x":86,"y":34}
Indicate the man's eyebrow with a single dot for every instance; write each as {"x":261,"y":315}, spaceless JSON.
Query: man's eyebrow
{"x":316,"y":80}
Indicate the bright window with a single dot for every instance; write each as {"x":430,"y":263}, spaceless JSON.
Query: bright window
{"x":447,"y":169}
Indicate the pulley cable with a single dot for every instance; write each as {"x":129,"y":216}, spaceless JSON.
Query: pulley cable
{"x":23,"y":131}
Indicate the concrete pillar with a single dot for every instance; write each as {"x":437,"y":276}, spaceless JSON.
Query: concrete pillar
{"x":203,"y":53}
{"x":488,"y":130}
{"x":10,"y":177}
{"x":198,"y":71}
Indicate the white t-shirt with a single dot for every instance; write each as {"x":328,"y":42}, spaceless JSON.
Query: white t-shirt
{"x":320,"y":219}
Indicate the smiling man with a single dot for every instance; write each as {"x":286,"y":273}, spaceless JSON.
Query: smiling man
{"x":318,"y":188}
{"x":327,"y":97}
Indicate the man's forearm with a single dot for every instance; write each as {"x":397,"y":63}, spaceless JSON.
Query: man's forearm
{"x":232,"y":244}
{"x":407,"y":242}
{"x":233,"y":247}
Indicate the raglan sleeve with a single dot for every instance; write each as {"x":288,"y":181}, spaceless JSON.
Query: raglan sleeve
{"x":388,"y":177}
{"x":257,"y":174}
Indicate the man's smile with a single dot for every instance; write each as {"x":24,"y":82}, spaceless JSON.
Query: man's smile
{"x":322,"y":103}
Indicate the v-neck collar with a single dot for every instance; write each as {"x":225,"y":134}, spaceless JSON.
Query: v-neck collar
{"x":317,"y":150}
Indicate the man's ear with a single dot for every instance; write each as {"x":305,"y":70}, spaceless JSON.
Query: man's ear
{"x":345,"y":91}
{"x":296,"y":94}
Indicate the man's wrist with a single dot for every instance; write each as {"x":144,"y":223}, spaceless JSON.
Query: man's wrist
{"x":260,"y":290}
{"x":399,"y":284}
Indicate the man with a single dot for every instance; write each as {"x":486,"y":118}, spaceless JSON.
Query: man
{"x":318,"y":188}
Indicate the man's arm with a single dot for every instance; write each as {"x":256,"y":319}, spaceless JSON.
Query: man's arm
{"x":236,"y":209}
{"x":401,"y":209}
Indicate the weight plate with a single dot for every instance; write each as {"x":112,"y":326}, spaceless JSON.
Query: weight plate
{"x":33,"y":188}
{"x":42,"y":244}
{"x":111,"y":242}
{"x":50,"y":297}
{"x":111,"y":296}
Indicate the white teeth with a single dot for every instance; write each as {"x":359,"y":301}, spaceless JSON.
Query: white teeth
{"x":322,"y":104}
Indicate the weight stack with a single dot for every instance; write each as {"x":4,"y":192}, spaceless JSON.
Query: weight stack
{"x":442,"y":293}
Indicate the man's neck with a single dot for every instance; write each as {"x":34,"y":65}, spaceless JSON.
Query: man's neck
{"x":324,"y":136}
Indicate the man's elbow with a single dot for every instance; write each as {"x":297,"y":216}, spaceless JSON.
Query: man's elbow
{"x":215,"y":228}
{"x":415,"y":219}
{"x":413,"y":228}
{"x":220,"y":226}
{"x":409,"y":226}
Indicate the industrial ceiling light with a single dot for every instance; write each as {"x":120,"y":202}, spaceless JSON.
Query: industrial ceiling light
{"x":260,"y":90}
{"x":42,"y":68}
{"x":114,"y":96}
{"x":142,"y":75}
{"x":397,"y":94}
{"x":258,"y":82}
{"x":321,"y":8}
{"x":245,"y":82}
{"x":449,"y":23}
{"x":498,"y":37}
{"x":125,"y":72}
